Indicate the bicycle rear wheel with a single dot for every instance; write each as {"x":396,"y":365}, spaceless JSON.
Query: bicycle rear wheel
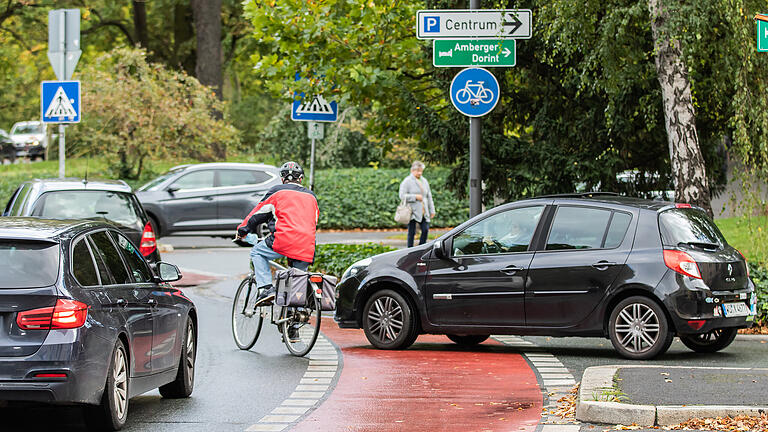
{"x":246,"y":321}
{"x":302,"y":327}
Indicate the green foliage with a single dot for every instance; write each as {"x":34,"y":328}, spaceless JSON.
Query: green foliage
{"x":367,"y":198}
{"x":334,"y":258}
{"x":139,"y":111}
{"x":759,"y":276}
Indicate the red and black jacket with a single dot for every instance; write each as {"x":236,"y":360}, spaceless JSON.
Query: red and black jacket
{"x":291,"y":211}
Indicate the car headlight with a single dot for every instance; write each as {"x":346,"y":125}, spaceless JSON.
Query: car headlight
{"x":34,"y":142}
{"x":355,"y":268}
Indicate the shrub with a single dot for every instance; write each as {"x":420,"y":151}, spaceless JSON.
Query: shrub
{"x":759,"y":276}
{"x":334,"y":258}
{"x":367,"y":198}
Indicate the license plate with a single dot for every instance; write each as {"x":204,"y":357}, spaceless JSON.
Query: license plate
{"x":735,"y":309}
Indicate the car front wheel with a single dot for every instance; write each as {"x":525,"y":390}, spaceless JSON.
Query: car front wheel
{"x":711,"y":341}
{"x":639,"y":329}
{"x":113,"y":410}
{"x":388,"y":321}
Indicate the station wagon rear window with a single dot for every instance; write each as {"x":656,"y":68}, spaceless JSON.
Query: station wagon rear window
{"x":689,"y":226}
{"x":115,"y":207}
{"x":28,"y":264}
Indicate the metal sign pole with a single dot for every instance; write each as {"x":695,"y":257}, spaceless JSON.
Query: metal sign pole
{"x":61,"y":150}
{"x":475,"y":143}
{"x":63,"y":38}
{"x":312,"y":166}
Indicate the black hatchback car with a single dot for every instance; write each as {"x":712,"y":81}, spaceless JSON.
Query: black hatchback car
{"x":84,"y":321}
{"x":636,"y":271}
{"x":72,"y":198}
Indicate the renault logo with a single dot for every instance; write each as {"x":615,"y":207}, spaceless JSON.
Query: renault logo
{"x":730,"y":270}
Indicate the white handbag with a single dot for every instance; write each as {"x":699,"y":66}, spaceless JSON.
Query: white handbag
{"x":403,"y":213}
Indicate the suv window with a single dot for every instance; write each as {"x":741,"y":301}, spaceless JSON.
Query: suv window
{"x":505,"y":232}
{"x":688,"y":226}
{"x":111,"y":257}
{"x":133,"y":258}
{"x":195,"y":180}
{"x":28,"y":264}
{"x":241,"y":177}
{"x":83,"y":268}
{"x":117,"y":207}
{"x":578,"y":228}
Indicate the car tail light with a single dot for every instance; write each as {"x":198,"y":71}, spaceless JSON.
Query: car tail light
{"x":66,"y":314}
{"x":696,"y":324}
{"x":746,"y":264}
{"x":148,"y":243}
{"x":682,"y":263}
{"x":682,"y":205}
{"x":50,"y":375}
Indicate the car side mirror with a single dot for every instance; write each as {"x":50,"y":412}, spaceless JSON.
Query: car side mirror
{"x":172,"y":189}
{"x":168,"y":272}
{"x":441,"y":250}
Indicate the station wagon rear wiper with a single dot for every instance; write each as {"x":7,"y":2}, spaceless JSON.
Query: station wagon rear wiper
{"x":702,"y":245}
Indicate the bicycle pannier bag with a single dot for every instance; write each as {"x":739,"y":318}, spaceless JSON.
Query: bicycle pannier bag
{"x":403,"y":213}
{"x":328,"y":302}
{"x":291,"y":287}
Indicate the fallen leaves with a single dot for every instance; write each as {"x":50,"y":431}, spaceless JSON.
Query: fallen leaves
{"x":739,"y":423}
{"x":566,"y":405}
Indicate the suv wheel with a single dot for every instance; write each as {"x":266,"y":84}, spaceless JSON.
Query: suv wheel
{"x":711,"y":341}
{"x":113,"y":411}
{"x":639,"y":329}
{"x":468,"y":340}
{"x":388,"y":321}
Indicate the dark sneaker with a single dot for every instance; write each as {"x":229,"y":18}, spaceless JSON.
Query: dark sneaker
{"x":266,"y":297}
{"x":293,"y":334}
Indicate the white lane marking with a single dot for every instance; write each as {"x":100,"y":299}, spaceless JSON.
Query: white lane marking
{"x":290,"y":410}
{"x":279,"y":418}
{"x":311,"y":374}
{"x":299,"y":402}
{"x":315,"y":381}
{"x":306,"y":395}
{"x":310,"y":387}
{"x":560,"y":428}
{"x":267,"y":427}
{"x":322,"y":368}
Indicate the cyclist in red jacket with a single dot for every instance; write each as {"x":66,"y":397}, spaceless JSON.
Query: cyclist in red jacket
{"x":291,"y":211}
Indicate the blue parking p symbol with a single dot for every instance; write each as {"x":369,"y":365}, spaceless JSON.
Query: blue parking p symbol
{"x":431,"y":24}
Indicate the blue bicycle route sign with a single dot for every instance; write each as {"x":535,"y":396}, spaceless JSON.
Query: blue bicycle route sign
{"x":474,"y":92}
{"x":60,"y":101}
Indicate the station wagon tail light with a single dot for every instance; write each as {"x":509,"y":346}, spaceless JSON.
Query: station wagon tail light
{"x":148,"y":243}
{"x":746,"y":264}
{"x":66,"y":314}
{"x":682,"y":205}
{"x":682,"y":263}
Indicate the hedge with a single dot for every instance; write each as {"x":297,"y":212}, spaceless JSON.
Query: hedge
{"x":334,"y":258}
{"x":367,"y":198}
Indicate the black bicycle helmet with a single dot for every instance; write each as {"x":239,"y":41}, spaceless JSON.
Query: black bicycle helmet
{"x":292,"y":172}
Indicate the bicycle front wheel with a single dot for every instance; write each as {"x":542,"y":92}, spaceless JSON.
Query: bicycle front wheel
{"x":302,"y":326}
{"x":246,"y":320}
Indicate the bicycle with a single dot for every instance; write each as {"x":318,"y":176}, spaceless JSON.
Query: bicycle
{"x":480,"y":93}
{"x":247,"y":320}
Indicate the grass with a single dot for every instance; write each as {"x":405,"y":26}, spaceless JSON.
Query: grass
{"x":742,"y":233}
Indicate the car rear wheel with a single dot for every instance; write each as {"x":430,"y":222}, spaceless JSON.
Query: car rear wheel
{"x":711,"y":341}
{"x":639,"y":329}
{"x":388,"y":321}
{"x":113,"y":410}
{"x":184,"y":383}
{"x":468,"y":340}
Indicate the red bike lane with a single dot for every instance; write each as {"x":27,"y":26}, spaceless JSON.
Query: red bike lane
{"x":433,"y":386}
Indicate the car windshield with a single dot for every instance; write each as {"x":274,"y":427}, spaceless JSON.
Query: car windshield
{"x":28,"y":264}
{"x":689,"y":226}
{"x":116,"y":207}
{"x":27,"y":129}
{"x":156,"y":182}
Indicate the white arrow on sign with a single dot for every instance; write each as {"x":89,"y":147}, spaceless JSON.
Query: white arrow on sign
{"x":506,"y":52}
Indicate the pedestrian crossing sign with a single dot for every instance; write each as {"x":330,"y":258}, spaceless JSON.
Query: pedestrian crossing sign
{"x":60,"y":101}
{"x":315,"y":109}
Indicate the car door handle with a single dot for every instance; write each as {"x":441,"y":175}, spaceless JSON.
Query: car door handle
{"x":121,"y":302}
{"x":151,"y":302}
{"x":512,"y":269}
{"x":208,"y":198}
{"x":603,"y":265}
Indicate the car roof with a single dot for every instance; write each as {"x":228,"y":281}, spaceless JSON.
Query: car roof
{"x":606,"y":198}
{"x":43,"y":229}
{"x":25,"y":123}
{"x":55,"y":184}
{"x":209,"y":165}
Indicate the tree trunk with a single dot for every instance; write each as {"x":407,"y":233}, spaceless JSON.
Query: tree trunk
{"x":685,"y":156}
{"x":140,"y":23}
{"x":207,"y":16}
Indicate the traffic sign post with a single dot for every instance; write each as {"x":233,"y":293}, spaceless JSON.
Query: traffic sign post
{"x":315,"y":131}
{"x":313,"y":110}
{"x":60,"y":101}
{"x":64,"y":53}
{"x":468,"y":52}
{"x":485,"y":23}
{"x":474,"y":92}
{"x":762,"y":32}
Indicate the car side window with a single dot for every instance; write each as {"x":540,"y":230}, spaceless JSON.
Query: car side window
{"x":19,"y":201}
{"x":83,"y":268}
{"x":195,"y":180}
{"x":136,"y":264}
{"x":106,"y":276}
{"x":578,"y":228}
{"x":229,"y":178}
{"x":617,"y":230}
{"x":505,"y":232}
{"x":111,"y":257}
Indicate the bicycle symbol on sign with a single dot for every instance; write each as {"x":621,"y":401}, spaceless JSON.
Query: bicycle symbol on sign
{"x":474,"y":94}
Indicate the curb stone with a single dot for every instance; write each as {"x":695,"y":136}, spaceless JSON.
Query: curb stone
{"x":599,"y":378}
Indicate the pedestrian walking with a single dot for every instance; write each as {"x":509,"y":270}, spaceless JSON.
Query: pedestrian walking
{"x":415,"y":192}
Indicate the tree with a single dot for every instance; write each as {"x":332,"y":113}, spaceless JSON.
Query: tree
{"x":679,"y":116}
{"x":207,"y":14}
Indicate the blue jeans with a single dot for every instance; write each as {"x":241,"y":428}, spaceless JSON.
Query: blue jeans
{"x":261,"y":255}
{"x":424,"y":224}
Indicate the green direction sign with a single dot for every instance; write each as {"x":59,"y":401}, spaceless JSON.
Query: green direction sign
{"x":474,"y":52}
{"x":762,"y":35}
